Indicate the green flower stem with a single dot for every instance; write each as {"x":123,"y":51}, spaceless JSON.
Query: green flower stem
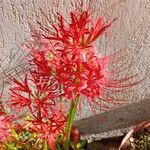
{"x":72,"y":112}
{"x":45,"y":145}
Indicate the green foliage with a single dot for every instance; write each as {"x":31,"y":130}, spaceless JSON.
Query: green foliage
{"x":79,"y":146}
{"x":23,"y":140}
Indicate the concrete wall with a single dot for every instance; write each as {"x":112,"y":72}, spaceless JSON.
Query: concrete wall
{"x":130,"y":32}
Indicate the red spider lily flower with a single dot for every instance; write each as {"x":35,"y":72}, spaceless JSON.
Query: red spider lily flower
{"x":77,"y":33}
{"x":49,"y":128}
{"x":36,"y":92}
{"x":83,"y":75}
{"x":5,"y":127}
{"x":71,"y":56}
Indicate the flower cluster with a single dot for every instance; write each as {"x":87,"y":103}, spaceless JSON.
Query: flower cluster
{"x":70,"y":56}
{"x":65,"y":67}
{"x":38,"y":95}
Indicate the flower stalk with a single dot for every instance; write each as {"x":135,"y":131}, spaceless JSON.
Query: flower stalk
{"x":45,"y":145}
{"x":71,"y":115}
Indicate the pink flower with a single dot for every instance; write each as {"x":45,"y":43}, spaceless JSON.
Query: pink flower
{"x":49,"y":128}
{"x":4,"y":128}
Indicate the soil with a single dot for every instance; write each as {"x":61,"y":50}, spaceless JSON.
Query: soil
{"x":139,"y":140}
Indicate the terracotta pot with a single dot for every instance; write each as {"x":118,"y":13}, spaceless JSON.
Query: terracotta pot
{"x":135,"y":130}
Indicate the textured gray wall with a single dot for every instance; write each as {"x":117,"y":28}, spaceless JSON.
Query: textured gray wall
{"x":130,"y":32}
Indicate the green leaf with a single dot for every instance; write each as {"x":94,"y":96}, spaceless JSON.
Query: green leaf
{"x":11,"y":146}
{"x":81,"y":144}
